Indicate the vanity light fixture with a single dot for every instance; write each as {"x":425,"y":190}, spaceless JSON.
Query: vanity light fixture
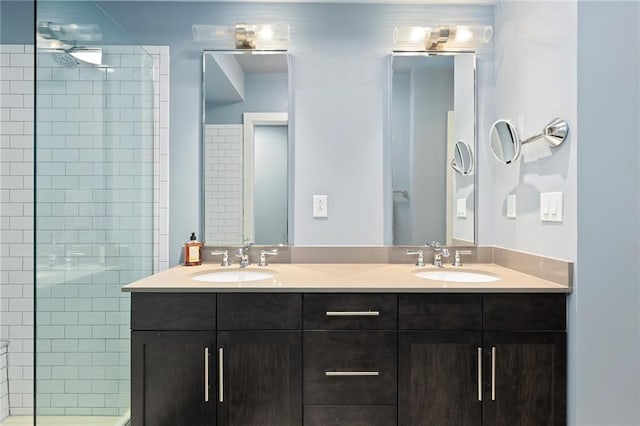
{"x":243,"y":36}
{"x":441,"y":37}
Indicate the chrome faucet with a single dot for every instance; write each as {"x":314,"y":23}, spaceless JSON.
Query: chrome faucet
{"x":456,"y":261}
{"x":264,"y":254}
{"x":420,"y":261}
{"x":224,"y":254}
{"x":243,"y":254}
{"x":438,"y":253}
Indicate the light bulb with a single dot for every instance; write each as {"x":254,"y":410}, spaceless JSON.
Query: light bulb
{"x":417,"y":34}
{"x":266,"y":33}
{"x":463,"y":34}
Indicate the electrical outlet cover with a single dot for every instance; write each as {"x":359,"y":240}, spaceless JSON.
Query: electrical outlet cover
{"x":320,"y":206}
{"x":511,"y":206}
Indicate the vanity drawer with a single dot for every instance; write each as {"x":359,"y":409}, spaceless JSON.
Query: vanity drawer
{"x":259,"y":311}
{"x":440,"y":311}
{"x":350,"y":367}
{"x":173,"y":311}
{"x":525,"y":312}
{"x":358,"y":415}
{"x":350,"y":312}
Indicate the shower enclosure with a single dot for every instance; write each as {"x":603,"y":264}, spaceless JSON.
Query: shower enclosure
{"x":94,"y":207}
{"x":85,"y":214}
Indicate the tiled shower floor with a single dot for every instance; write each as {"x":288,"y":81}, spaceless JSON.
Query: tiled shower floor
{"x":63,"y":421}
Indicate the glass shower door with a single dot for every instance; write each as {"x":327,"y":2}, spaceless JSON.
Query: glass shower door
{"x":94,"y":208}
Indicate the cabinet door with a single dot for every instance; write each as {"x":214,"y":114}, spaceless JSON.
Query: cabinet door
{"x":439,"y":378}
{"x":526,"y":380}
{"x":171,"y":378}
{"x":261,"y":382}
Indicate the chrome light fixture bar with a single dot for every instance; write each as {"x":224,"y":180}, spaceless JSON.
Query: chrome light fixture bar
{"x":442,"y":37}
{"x":243,"y":36}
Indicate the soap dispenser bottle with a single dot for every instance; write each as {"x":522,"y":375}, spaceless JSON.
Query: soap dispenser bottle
{"x":193,"y":251}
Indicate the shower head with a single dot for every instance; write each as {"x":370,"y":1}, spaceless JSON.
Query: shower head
{"x":73,"y":56}
{"x":64,"y":59}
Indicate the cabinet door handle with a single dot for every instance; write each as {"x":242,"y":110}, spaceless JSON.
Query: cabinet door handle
{"x":351,"y":373}
{"x":493,"y":373}
{"x":353,"y":313}
{"x":220,"y":375}
{"x":479,"y":374}
{"x":206,"y":374}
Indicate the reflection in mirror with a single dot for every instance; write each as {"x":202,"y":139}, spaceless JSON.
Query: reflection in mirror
{"x":432,"y":107}
{"x":462,"y":161}
{"x":245,"y":147}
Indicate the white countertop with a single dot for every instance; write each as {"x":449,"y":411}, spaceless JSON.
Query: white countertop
{"x":322,"y":277}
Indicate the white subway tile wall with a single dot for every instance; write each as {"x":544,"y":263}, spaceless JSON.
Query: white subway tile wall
{"x":223,"y":184}
{"x":99,"y":136}
{"x":16,"y":223}
{"x":4,"y":383}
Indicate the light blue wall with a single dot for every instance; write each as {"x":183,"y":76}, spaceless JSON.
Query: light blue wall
{"x":264,"y":92}
{"x":432,"y":98}
{"x":270,"y":185}
{"x":339,"y":96}
{"x":535,"y":73}
{"x":16,"y":22}
{"x":604,"y":311}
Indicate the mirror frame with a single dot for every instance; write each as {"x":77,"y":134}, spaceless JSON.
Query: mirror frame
{"x":474,"y":145}
{"x":277,"y":116}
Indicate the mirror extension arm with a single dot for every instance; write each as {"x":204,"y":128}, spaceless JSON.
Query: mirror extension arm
{"x":554,"y":133}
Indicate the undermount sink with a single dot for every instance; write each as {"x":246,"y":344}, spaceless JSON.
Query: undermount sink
{"x":235,"y":276}
{"x":449,"y":275}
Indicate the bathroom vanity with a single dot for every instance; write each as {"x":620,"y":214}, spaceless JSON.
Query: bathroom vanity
{"x":316,"y":345}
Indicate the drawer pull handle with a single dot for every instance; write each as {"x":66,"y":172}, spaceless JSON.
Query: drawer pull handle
{"x":206,"y":374}
{"x":493,"y":373}
{"x":351,"y":373}
{"x":353,"y":314}
{"x":220,"y":375}
{"x":479,"y":374}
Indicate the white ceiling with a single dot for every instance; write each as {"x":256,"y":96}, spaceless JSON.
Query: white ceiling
{"x":431,"y":2}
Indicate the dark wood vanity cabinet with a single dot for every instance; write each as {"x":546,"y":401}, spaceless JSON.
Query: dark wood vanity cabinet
{"x":350,"y":359}
{"x":172,"y":359}
{"x":525,"y":356}
{"x":245,"y":369}
{"x":282,"y":359}
{"x":260,"y":359}
{"x":503,"y":362}
{"x":261,"y":380}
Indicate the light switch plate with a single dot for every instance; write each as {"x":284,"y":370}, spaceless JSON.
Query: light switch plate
{"x":511,"y":206}
{"x":551,"y":206}
{"x":320,"y":206}
{"x":461,"y":210}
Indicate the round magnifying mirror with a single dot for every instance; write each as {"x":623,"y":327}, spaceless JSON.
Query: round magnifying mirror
{"x":505,"y":143}
{"x":462,"y":161}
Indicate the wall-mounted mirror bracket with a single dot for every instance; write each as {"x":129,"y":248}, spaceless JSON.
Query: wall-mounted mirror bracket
{"x":554,"y":133}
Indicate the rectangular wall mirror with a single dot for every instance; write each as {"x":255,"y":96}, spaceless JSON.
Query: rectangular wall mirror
{"x":245,"y":147}
{"x":433,"y":108}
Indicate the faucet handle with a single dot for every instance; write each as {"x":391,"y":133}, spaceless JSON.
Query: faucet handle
{"x":224,"y":254}
{"x":264,"y":254}
{"x":420,"y":261}
{"x":456,"y":260}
